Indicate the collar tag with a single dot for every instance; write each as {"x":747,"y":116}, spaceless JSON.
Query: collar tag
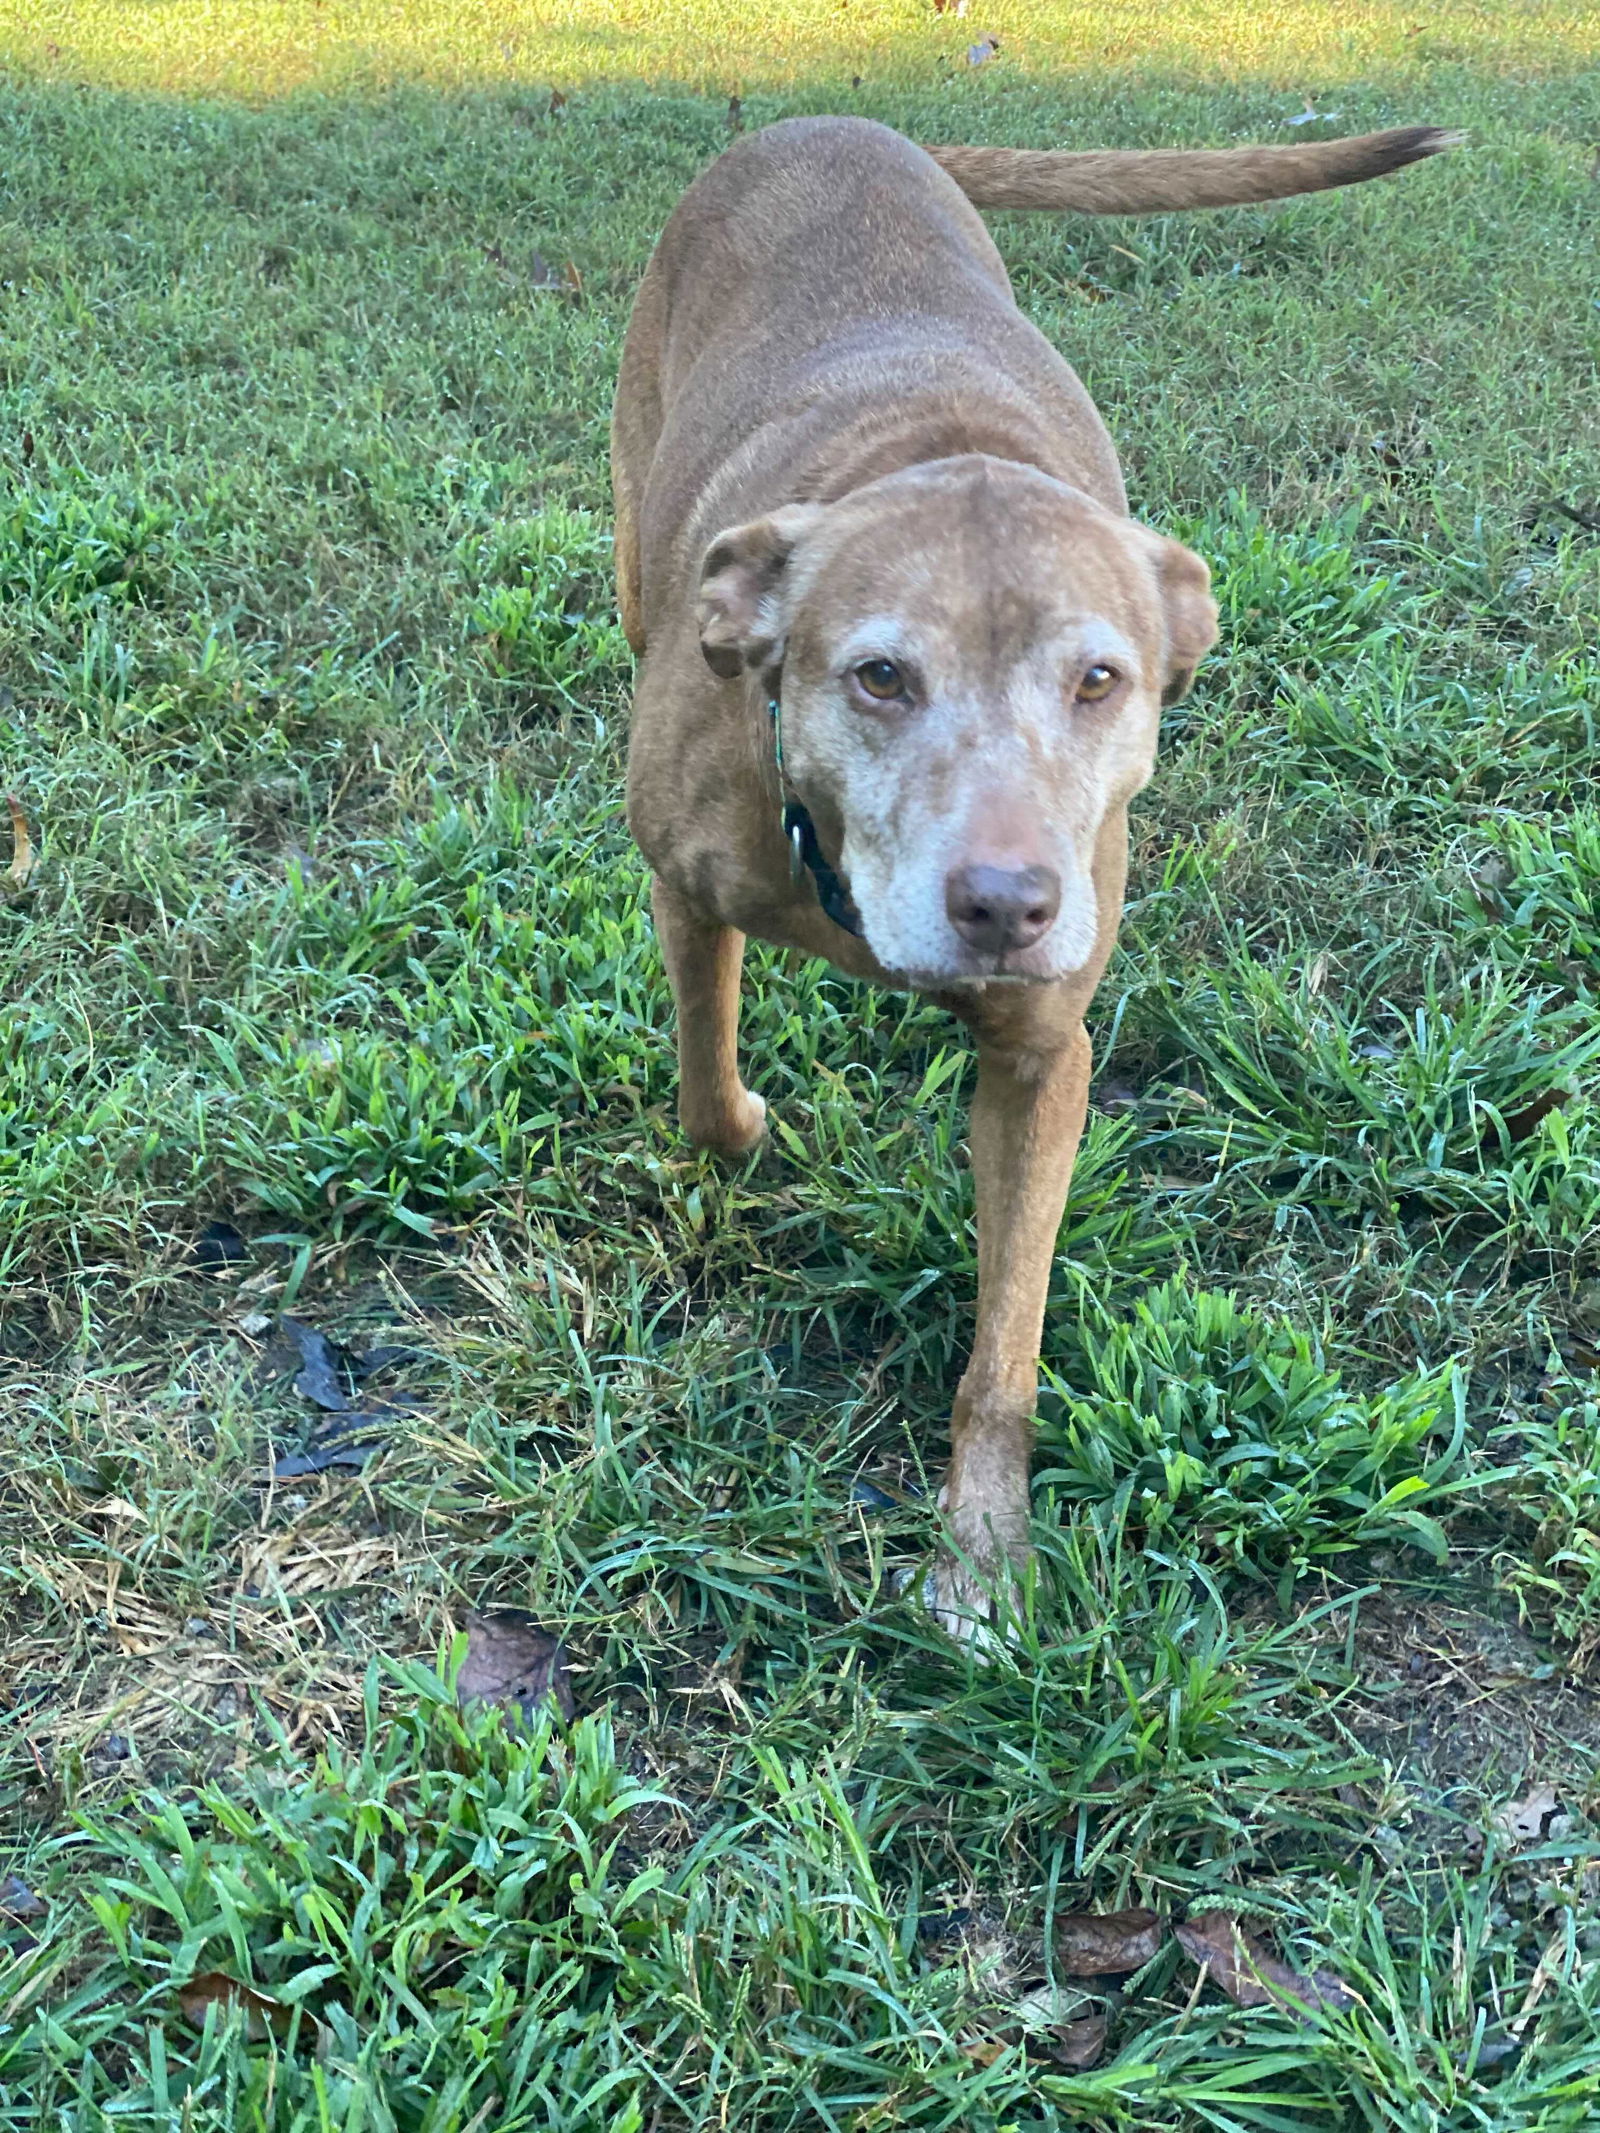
{"x":805,"y":853}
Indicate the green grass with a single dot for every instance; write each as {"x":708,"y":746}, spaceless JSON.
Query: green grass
{"x":312,"y":692}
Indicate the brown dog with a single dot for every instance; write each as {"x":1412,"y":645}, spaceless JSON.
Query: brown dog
{"x":904,"y":654}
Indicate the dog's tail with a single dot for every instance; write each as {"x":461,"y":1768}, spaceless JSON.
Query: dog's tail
{"x":1143,"y":182}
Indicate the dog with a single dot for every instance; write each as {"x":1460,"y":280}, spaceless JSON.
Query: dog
{"x":902,"y":658}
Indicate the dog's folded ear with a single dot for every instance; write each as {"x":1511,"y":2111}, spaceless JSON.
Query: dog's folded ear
{"x":741,"y":611}
{"x":1190,"y":613}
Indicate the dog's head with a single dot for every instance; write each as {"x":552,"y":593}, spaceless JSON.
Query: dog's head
{"x":974,"y":659}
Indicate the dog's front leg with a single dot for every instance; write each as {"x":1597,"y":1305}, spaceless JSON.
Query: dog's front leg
{"x":1027,"y":1117}
{"x":703,"y":958}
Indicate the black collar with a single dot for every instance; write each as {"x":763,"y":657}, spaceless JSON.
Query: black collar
{"x":805,"y":852}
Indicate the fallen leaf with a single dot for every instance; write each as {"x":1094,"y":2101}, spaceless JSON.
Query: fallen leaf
{"x":319,"y":1377}
{"x":878,"y":1496}
{"x":1527,"y":1821}
{"x":980,"y":54}
{"x":218,"y":1245}
{"x":263,"y":2017}
{"x":548,"y":281}
{"x":349,"y":1440}
{"x":1519,"y":1124}
{"x":943,"y":1925}
{"x":1241,"y":1967}
{"x":513,"y":1662}
{"x":326,"y":1377}
{"x":386,"y":1356}
{"x":23,"y":857}
{"x":985,"y":2050}
{"x":1077,"y":2044}
{"x":1116,"y":1097}
{"x":17,"y":1900}
{"x":1107,"y":1944}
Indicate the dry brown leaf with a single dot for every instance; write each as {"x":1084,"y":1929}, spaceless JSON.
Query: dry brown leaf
{"x":551,"y":281}
{"x":264,"y":2017}
{"x":18,"y":1901}
{"x":113,"y":1507}
{"x":1519,"y":1124}
{"x":23,"y":856}
{"x":1107,"y":1944}
{"x":985,"y":2050}
{"x":1062,"y":2024}
{"x":1077,"y":2044}
{"x":1527,"y":1821}
{"x":1489,"y":878}
{"x":513,"y":1662}
{"x":1236,"y":1962}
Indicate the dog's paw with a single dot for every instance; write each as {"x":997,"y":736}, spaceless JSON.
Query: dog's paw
{"x":981,"y":1618}
{"x":735,"y":1135}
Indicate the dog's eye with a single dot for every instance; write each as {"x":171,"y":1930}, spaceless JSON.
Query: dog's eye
{"x":1098,"y":682}
{"x":881,"y":679}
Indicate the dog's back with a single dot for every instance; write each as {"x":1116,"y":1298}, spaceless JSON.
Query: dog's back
{"x":862,"y":294}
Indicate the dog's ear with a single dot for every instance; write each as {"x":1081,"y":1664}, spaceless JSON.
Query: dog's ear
{"x":1190,"y":612}
{"x":740,"y":610}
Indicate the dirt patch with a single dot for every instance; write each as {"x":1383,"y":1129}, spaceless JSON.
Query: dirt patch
{"x":1463,"y":1704}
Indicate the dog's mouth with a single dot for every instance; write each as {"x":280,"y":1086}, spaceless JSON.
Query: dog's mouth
{"x":970,"y":972}
{"x":978,"y":979}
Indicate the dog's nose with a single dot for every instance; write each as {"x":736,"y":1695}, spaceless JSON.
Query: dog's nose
{"x":996,"y":908}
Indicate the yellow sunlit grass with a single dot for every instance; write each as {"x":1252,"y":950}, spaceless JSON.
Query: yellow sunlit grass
{"x":257,"y":48}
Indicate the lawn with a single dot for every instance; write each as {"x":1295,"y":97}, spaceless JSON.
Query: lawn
{"x":329,"y":1006}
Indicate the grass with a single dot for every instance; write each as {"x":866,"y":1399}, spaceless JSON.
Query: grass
{"x":312,"y":694}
